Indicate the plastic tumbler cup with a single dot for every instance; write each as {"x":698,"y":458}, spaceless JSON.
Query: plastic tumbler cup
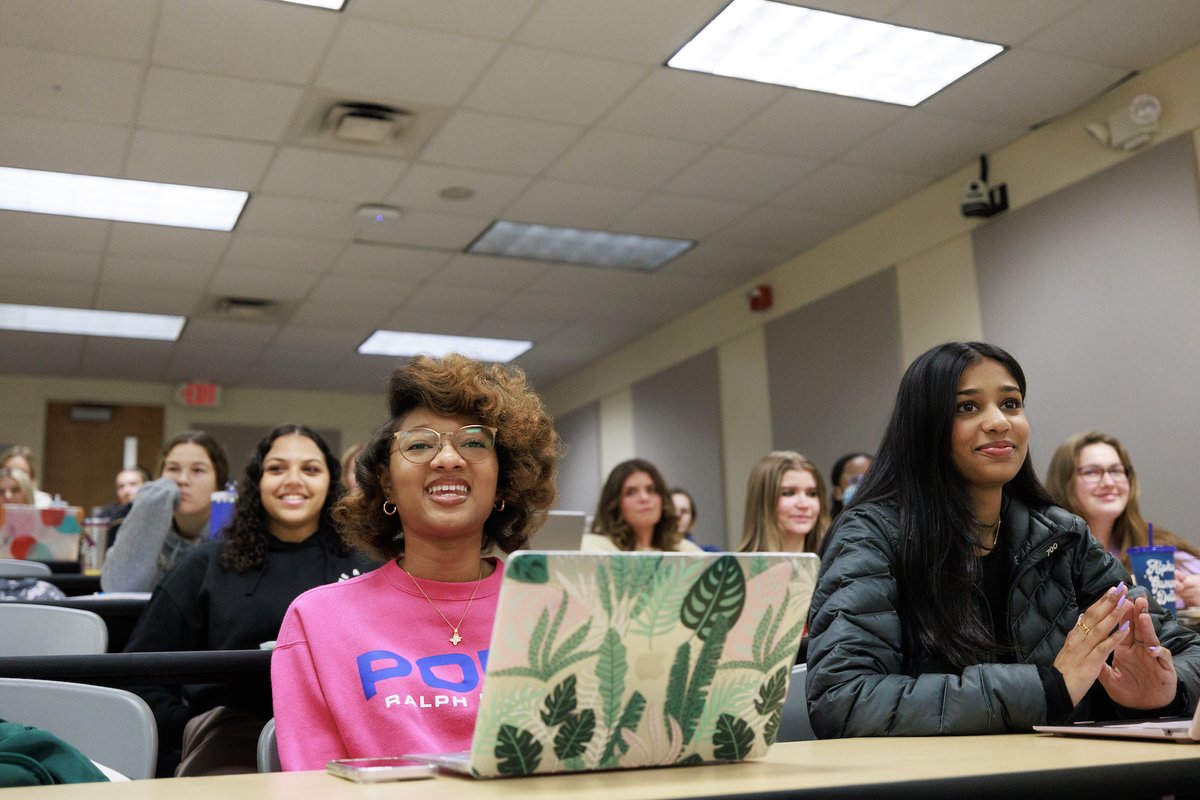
{"x":1154,"y":568}
{"x":222,"y":512}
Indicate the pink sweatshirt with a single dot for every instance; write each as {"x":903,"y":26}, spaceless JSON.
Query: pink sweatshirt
{"x":365,"y":667}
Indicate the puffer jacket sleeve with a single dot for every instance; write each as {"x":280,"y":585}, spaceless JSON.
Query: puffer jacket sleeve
{"x":856,"y":683}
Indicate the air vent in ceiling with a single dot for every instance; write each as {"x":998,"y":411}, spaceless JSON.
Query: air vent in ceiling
{"x":366,"y":123}
{"x":247,"y":309}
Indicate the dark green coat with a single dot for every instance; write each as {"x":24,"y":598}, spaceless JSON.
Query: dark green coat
{"x":868,"y":674}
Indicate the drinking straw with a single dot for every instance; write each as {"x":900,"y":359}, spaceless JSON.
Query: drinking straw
{"x":1150,"y":533}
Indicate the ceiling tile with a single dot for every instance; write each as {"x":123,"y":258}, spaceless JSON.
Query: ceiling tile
{"x":227,"y":37}
{"x":485,"y":18}
{"x":244,"y":339}
{"x":1122,"y":34}
{"x":321,"y":338}
{"x":740,"y":175}
{"x":315,"y":312}
{"x":679,"y":216}
{"x":189,"y":102}
{"x":784,"y":228}
{"x":48,"y":230}
{"x":20,"y":263}
{"x":523,"y":329}
{"x":1003,"y":23}
{"x":132,"y":359}
{"x":286,"y":254}
{"x":389,"y":261}
{"x":108,"y":30}
{"x":422,"y":319}
{"x":64,"y":86}
{"x":48,"y":292}
{"x":297,"y":216}
{"x":487,"y":272}
{"x":850,"y":189}
{"x":552,"y":86}
{"x":608,"y":30}
{"x":197,"y":160}
{"x":332,"y":176}
{"x":62,"y":146}
{"x":40,"y":353}
{"x":404,"y":63}
{"x":363,"y":292}
{"x":610,"y":158}
{"x":158,"y":241}
{"x":261,"y":284}
{"x":427,"y":229}
{"x":420,"y":187}
{"x":712,"y":260}
{"x":506,"y":144}
{"x":138,"y":298}
{"x":453,"y":301}
{"x":930,"y":145}
{"x":813,"y":124}
{"x":999,"y":91}
{"x":572,"y":205}
{"x":689,"y":105}
{"x":156,"y":273}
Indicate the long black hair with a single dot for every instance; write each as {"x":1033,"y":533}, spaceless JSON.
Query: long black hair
{"x":244,"y":545}
{"x":937,"y":569}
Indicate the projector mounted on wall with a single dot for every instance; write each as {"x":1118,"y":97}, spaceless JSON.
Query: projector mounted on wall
{"x":981,"y":200}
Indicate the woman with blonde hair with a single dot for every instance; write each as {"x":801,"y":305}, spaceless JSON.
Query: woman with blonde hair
{"x":635,"y":512}
{"x":15,"y":487}
{"x":1091,"y":475}
{"x":785,"y":507}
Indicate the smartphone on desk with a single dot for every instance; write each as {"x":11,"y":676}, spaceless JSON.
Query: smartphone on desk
{"x":374,"y":770}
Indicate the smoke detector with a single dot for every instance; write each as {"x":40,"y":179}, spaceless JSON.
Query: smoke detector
{"x":366,"y":123}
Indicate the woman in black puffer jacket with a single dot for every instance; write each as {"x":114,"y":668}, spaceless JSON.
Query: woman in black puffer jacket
{"x":955,"y":598}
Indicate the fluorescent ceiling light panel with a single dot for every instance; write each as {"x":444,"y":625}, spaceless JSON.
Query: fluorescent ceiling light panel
{"x":87,"y":322}
{"x":332,"y":5}
{"x":396,"y":343}
{"x":119,"y":199}
{"x":772,"y":42}
{"x":577,"y":246}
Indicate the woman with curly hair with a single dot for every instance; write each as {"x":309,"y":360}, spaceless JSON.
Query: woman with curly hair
{"x":785,"y":505}
{"x":392,"y":662}
{"x":635,"y":512}
{"x":232,"y":594}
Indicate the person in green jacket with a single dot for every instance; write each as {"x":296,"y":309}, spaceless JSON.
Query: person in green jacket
{"x":956,"y":598}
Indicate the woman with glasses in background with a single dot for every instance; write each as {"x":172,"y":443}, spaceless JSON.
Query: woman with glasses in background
{"x":1092,"y":475}
{"x":393,"y":662}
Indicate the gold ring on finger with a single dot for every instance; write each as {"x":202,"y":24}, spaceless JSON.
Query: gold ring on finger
{"x":1083,"y":627}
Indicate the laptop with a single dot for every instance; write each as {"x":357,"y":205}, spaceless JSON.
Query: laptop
{"x":562,"y":530}
{"x":1182,"y":730}
{"x":605,"y":661}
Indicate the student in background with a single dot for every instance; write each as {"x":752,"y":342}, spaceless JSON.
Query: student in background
{"x":465,"y":466}
{"x":21,"y":457}
{"x":845,"y":477}
{"x":956,"y":598}
{"x":168,"y":517}
{"x":685,"y":515}
{"x":635,"y":512}
{"x":785,"y":505}
{"x":15,"y":487}
{"x":1092,"y":475}
{"x":129,"y":481}
{"x":232,"y":594}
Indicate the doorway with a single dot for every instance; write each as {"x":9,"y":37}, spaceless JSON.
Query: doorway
{"x":85,"y":447}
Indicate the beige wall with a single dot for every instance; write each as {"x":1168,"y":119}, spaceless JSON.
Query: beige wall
{"x":25,"y":397}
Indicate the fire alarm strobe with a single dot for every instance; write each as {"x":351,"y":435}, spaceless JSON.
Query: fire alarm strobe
{"x":760,"y":297}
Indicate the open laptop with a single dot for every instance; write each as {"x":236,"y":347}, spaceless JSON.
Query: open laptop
{"x":562,"y":530}
{"x":1182,"y":730}
{"x":618,"y":660}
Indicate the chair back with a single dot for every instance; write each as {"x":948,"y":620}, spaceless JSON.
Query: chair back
{"x":268,"y":753}
{"x":793,"y":723}
{"x":110,"y":726}
{"x":29,"y":629}
{"x":22,"y":568}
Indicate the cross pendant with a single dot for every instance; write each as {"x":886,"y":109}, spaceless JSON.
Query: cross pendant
{"x":455,"y":639}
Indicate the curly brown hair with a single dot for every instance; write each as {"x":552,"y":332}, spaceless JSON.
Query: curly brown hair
{"x":527,"y":448}
{"x":609,"y":522}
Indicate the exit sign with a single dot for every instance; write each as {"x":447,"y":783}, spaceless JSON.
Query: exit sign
{"x":198,"y":394}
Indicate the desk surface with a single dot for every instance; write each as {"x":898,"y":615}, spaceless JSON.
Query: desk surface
{"x":1025,"y":766}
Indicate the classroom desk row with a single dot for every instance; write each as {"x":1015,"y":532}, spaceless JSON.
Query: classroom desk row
{"x":137,"y":669}
{"x":979,"y":767}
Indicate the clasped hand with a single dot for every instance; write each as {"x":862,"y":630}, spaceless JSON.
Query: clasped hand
{"x":1141,"y":675}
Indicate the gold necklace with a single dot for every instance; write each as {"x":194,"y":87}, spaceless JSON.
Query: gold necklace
{"x":454,"y":637}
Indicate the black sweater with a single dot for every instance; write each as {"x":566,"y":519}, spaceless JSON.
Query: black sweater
{"x":200,"y":606}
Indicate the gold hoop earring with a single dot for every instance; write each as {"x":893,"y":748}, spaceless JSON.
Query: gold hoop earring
{"x":388,"y":502}
{"x":498,"y":505}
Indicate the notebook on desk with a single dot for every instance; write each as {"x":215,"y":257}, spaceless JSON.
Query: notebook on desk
{"x":1182,"y":730}
{"x":619,"y":660}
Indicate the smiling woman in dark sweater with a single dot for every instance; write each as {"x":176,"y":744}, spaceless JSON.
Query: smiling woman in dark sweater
{"x":232,"y":595}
